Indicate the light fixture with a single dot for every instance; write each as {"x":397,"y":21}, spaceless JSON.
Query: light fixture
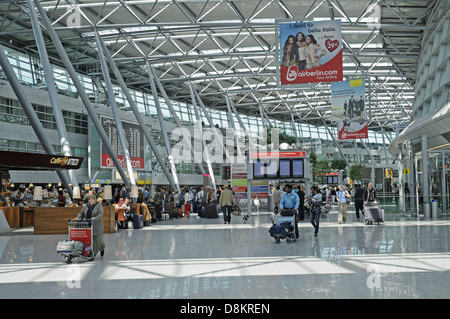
{"x":37,"y":194}
{"x":76,"y":192}
{"x":107,"y":192}
{"x":134,"y":191}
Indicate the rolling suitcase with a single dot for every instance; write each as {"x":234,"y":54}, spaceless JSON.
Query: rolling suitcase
{"x":373,"y":214}
{"x":138,"y":221}
{"x":211,"y":211}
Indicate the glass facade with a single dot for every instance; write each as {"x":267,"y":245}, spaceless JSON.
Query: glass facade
{"x":30,"y":73}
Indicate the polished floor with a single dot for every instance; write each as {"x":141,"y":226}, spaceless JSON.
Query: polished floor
{"x":193,"y":258}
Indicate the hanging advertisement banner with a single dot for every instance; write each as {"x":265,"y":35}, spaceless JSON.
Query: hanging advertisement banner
{"x":348,"y":101}
{"x":352,"y":130}
{"x":309,"y":52}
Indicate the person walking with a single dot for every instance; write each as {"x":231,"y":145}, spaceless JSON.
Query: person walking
{"x":370,"y":195}
{"x":277,"y":193}
{"x":290,"y":201}
{"x":315,"y":210}
{"x":257,"y":203}
{"x":226,"y":202}
{"x":301,"y":207}
{"x":94,"y":210}
{"x":343,"y":198}
{"x":359,"y":200}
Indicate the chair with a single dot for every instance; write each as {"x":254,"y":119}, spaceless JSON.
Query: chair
{"x":168,"y":210}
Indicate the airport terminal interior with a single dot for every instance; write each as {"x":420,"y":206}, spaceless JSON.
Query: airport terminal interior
{"x":225,"y":149}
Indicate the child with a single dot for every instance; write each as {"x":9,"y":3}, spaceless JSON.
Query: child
{"x":256,"y":203}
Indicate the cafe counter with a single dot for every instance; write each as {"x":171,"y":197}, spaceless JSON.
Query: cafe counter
{"x":54,"y":220}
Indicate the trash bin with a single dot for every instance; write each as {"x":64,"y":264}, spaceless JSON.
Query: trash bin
{"x":434,"y":208}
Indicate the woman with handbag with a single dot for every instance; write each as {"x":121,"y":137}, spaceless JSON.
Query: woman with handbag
{"x":343,"y":198}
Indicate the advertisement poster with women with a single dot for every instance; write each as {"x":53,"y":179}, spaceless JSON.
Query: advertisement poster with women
{"x":310,"y":52}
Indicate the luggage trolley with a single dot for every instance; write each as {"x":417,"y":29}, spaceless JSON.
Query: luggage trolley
{"x":283,"y":226}
{"x":373,"y":214}
{"x":80,"y":243}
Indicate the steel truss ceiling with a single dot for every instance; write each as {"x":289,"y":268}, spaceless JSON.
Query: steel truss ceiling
{"x":228,"y":47}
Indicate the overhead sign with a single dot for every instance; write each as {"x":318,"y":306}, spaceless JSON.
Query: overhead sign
{"x":33,"y":161}
{"x":309,"y":51}
{"x":278,"y":154}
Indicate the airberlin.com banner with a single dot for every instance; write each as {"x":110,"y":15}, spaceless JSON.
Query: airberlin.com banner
{"x":310,"y":52}
{"x":352,"y":130}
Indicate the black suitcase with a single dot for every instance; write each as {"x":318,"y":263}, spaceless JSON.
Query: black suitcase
{"x":211,"y":211}
{"x":174,"y":213}
{"x":138,"y":221}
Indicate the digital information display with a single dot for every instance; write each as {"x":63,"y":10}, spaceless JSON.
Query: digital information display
{"x":258,"y":169}
{"x":283,"y":168}
{"x":297,"y":168}
{"x":332,"y":179}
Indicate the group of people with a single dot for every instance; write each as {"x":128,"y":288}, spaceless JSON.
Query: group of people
{"x":302,"y":51}
{"x":292,"y":198}
{"x":354,"y":107}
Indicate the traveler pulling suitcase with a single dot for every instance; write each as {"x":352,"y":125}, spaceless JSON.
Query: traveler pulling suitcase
{"x":373,"y":214}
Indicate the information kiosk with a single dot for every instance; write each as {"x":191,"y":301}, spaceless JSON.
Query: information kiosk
{"x":278,"y":167}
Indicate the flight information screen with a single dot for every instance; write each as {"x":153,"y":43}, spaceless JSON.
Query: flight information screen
{"x":297,"y":168}
{"x":258,"y":169}
{"x":285,"y":168}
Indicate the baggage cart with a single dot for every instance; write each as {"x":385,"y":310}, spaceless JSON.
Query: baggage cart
{"x":80,"y":243}
{"x":284,"y":226}
{"x":373,"y":214}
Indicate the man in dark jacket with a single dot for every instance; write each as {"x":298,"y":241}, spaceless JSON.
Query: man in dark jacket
{"x":359,"y":200}
{"x":370,"y":195}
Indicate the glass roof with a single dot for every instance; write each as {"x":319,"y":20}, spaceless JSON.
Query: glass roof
{"x":228,"y":48}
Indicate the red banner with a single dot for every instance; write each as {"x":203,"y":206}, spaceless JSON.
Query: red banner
{"x":136,"y":162}
{"x":81,"y":234}
{"x":330,"y":72}
{"x":281,"y":154}
{"x":352,"y":130}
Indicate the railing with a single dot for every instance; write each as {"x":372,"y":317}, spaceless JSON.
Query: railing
{"x":414,"y":205}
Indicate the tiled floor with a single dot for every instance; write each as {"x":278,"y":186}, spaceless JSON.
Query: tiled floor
{"x":205,"y":259}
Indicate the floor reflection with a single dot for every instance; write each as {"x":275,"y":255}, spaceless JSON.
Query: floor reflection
{"x":200,"y":258}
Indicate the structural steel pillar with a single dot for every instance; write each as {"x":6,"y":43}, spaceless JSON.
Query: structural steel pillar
{"x":175,"y":116}
{"x":163,"y":129}
{"x":115,"y":111}
{"x":205,"y":111}
{"x":205,"y":147}
{"x":31,"y":114}
{"x":138,"y":116}
{"x":93,"y":115}
{"x":230,"y":119}
{"x":52,"y":92}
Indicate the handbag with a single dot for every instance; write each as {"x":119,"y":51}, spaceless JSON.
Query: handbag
{"x":347,"y":199}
